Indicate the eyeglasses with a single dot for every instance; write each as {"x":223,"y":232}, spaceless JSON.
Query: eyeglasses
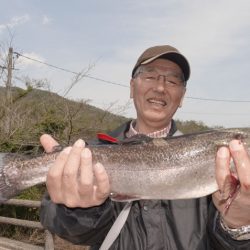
{"x":152,"y":76}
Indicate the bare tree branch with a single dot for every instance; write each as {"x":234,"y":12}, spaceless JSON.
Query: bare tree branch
{"x":78,"y":78}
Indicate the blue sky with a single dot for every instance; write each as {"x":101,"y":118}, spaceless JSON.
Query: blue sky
{"x":110,"y":35}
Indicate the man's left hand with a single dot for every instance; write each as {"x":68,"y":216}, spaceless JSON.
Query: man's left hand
{"x":238,"y":213}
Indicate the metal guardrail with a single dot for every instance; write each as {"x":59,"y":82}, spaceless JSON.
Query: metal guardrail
{"x":49,"y":242}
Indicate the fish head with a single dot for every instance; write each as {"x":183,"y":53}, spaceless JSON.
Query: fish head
{"x":244,"y":136}
{"x":227,"y":135}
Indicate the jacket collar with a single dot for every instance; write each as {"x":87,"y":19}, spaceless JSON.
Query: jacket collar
{"x":119,"y":134}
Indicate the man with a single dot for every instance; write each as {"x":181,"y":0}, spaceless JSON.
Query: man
{"x":80,"y":210}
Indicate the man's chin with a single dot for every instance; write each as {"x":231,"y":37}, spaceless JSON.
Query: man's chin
{"x":158,"y":117}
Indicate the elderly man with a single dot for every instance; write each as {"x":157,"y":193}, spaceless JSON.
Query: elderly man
{"x":79,"y":209}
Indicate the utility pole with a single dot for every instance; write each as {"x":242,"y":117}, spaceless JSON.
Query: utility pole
{"x":9,"y":77}
{"x":8,"y":104}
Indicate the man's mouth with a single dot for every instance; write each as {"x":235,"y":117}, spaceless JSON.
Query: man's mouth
{"x":157,"y":101}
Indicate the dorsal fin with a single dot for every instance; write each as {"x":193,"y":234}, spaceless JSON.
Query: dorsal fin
{"x":136,"y":139}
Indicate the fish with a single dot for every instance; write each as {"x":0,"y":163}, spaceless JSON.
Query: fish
{"x":179,"y":167}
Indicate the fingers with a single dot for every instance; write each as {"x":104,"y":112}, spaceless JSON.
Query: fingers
{"x":48,"y":142}
{"x":242,"y":164}
{"x":54,"y":176}
{"x":94,"y":182}
{"x":70,"y":170}
{"x":72,"y":180}
{"x":222,"y":167}
{"x":86,"y":174}
{"x":102,"y":182}
{"x":62,"y":176}
{"x":235,"y":208}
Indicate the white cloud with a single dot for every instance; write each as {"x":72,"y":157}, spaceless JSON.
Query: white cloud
{"x":46,"y":20}
{"x":18,"y":20}
{"x":204,"y":29}
{"x":15,"y":21}
{"x":24,"y":60}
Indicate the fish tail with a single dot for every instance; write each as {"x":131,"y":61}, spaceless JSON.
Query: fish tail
{"x":7,"y":190}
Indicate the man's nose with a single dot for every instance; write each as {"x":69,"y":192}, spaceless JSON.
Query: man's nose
{"x":161,"y":83}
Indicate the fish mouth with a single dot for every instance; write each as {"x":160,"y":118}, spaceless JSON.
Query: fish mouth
{"x":157,"y":101}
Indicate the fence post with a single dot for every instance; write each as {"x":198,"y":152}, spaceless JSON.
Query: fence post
{"x":49,"y":243}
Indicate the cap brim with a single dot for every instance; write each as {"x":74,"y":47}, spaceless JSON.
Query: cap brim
{"x":178,"y":58}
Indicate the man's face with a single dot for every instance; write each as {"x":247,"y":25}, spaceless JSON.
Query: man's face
{"x":156,"y":98}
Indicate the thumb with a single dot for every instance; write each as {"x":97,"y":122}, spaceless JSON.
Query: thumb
{"x":48,"y":143}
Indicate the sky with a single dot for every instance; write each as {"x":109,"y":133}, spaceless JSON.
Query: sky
{"x":103,"y":39}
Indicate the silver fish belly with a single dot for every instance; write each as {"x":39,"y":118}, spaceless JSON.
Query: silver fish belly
{"x":180,"y":167}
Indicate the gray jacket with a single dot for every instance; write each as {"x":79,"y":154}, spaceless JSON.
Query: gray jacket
{"x":151,"y":225}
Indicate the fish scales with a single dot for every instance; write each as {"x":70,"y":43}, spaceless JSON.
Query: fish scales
{"x":180,"y":167}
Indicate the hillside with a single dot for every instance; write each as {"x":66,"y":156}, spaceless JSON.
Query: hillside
{"x":34,"y":112}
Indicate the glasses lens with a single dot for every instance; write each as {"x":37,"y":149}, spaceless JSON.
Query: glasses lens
{"x":174,"y":78}
{"x":170,"y":78}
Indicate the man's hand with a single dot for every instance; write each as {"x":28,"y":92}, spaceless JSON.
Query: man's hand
{"x":238,"y":213}
{"x":73,"y":180}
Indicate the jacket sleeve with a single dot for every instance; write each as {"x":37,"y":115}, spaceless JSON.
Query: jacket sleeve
{"x":219,"y":239}
{"x":87,"y":226}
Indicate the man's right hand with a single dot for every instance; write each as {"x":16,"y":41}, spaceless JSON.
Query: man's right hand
{"x":73,"y":180}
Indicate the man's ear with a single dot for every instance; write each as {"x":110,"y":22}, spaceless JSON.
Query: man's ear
{"x":182,"y":98}
{"x":132,"y":83}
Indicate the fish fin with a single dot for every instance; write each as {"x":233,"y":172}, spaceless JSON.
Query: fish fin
{"x":136,"y":139}
{"x":123,"y":197}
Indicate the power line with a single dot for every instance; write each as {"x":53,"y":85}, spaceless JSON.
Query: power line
{"x":70,"y":71}
{"x":102,"y":80}
{"x":215,"y":100}
{"x":123,"y":85}
{"x":211,"y":113}
{"x":47,"y":64}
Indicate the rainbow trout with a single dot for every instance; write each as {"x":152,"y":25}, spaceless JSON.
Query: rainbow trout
{"x":180,"y":167}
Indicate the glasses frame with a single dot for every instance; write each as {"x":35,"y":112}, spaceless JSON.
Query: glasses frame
{"x":155,"y":78}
